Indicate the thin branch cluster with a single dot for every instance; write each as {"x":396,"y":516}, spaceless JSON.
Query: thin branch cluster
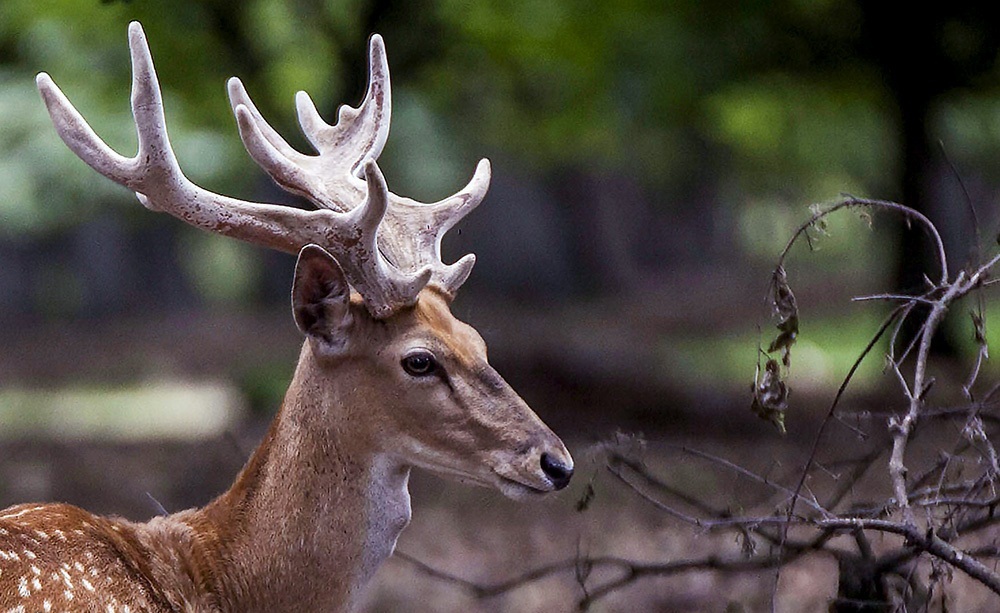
{"x":938,"y":517}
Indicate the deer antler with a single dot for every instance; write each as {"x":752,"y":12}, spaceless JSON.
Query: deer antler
{"x":389,"y":246}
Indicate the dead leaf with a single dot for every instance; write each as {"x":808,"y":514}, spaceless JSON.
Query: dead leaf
{"x":770,"y":398}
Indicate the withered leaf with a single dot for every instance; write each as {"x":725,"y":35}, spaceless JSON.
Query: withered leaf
{"x":770,"y":397}
{"x":787,"y":312}
{"x":788,"y":332}
{"x":783,"y":299}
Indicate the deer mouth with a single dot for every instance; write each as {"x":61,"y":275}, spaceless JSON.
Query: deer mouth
{"x":511,"y":488}
{"x":508,"y":481}
{"x":517,"y":490}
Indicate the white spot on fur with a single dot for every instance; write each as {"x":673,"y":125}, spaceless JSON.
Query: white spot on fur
{"x":65,"y":578}
{"x":29,"y":554}
{"x":18,"y":609}
{"x":35,"y":583}
{"x":37,"y":571}
{"x":87,"y":584}
{"x":22,"y":587}
{"x":46,"y":606}
{"x":21,"y":512}
{"x":78,"y":567}
{"x":42,"y":535}
{"x":68,"y":594}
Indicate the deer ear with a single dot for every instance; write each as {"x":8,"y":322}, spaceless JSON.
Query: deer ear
{"x":321,"y":299}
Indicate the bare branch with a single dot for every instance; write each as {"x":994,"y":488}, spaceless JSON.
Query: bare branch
{"x":851,"y":201}
{"x":630,"y":572}
{"x":893,"y":297}
{"x":753,"y":476}
{"x":656,"y":503}
{"x":901,"y":427}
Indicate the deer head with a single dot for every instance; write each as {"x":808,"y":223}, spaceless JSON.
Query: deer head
{"x":432,"y":397}
{"x":387,"y":378}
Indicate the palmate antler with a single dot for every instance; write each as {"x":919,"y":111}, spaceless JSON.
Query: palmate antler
{"x":389,"y":246}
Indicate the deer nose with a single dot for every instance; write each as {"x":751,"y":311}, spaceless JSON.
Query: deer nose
{"x":557,"y":472}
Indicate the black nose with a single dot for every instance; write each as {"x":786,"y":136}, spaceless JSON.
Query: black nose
{"x":556,"y":471}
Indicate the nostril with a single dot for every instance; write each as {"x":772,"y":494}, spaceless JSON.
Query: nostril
{"x":556,"y":471}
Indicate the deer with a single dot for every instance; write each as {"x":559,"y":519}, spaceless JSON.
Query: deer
{"x":387,"y":380}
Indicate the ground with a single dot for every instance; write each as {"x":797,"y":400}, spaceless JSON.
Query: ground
{"x":479,"y":536}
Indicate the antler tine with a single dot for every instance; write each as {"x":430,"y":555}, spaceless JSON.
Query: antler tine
{"x":331,"y":179}
{"x":360,"y":132}
{"x":154,"y":174}
{"x":292,"y":170}
{"x":238,"y":96}
{"x":417,"y":230}
{"x":289,"y":170}
{"x":78,"y":135}
{"x":458,"y":206}
{"x":385,"y":287}
{"x":147,"y":108}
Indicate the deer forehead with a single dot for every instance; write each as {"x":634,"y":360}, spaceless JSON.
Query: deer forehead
{"x":465,"y":344}
{"x":429,"y":322}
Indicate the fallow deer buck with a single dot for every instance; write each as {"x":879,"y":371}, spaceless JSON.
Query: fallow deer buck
{"x":387,"y":379}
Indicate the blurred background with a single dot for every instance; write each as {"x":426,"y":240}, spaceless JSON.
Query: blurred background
{"x":650,"y":161}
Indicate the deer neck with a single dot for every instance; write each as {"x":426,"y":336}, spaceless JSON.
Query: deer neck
{"x":315,"y":511}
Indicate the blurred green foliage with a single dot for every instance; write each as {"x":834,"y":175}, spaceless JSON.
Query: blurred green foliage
{"x":770,"y":104}
{"x":153,"y":409}
{"x":631,"y":84}
{"x":736,"y":114}
{"x":825,"y":353}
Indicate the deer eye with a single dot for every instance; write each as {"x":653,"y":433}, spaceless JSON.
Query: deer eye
{"x":420,"y":364}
